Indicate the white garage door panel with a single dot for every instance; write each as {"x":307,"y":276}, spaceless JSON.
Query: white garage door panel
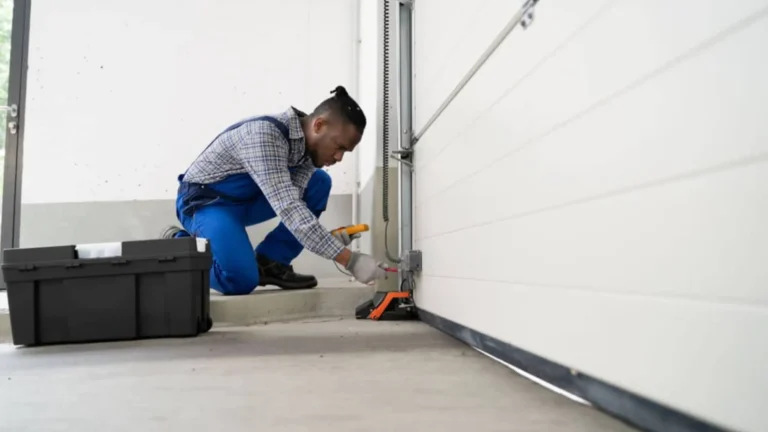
{"x":630,"y":341}
{"x":627,"y":142}
{"x":588,"y":69}
{"x":444,"y":51}
{"x":516,"y":57}
{"x":703,"y":237}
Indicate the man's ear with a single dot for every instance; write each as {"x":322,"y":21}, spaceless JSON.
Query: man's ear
{"x":318,"y":123}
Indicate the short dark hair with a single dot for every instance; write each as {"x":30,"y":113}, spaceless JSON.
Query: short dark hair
{"x":341,"y":103}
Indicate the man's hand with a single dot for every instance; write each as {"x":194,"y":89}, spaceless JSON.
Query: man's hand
{"x":344,"y":257}
{"x":365,"y":268}
{"x":345,"y":238}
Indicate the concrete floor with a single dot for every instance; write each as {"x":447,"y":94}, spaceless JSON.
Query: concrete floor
{"x":339,"y":375}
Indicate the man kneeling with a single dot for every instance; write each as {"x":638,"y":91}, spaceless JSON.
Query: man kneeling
{"x":264,"y":167}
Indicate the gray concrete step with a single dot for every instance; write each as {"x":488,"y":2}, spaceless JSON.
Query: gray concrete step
{"x":5,"y":326}
{"x":332,"y":298}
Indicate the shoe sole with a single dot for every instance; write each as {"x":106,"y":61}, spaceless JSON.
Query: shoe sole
{"x":287,"y":285}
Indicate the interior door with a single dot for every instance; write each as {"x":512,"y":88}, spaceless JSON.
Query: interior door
{"x":14,"y":31}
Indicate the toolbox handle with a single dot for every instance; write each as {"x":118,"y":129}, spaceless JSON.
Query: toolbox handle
{"x":25,"y":267}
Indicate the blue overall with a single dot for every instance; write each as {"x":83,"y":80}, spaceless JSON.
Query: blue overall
{"x":221,"y":211}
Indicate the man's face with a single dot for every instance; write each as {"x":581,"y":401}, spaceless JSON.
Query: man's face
{"x":330,"y":139}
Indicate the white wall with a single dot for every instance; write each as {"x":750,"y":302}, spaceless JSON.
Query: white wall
{"x":597,"y":193}
{"x":121,"y":96}
{"x":369,"y":65}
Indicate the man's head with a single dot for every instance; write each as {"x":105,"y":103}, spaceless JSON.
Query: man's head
{"x":334,"y":128}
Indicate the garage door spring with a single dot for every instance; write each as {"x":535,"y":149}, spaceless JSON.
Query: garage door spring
{"x":385,"y":129}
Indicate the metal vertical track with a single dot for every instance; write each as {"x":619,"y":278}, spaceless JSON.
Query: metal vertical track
{"x":355,"y":87}
{"x":404,"y":152}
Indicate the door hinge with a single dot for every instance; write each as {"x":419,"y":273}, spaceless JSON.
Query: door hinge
{"x":13,"y":109}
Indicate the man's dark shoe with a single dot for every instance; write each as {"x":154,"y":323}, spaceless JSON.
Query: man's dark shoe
{"x":275,"y":273}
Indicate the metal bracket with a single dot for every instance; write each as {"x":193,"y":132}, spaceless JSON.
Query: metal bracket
{"x":409,"y":164}
{"x":527,"y":18}
{"x":411,"y":261}
{"x":405,"y":154}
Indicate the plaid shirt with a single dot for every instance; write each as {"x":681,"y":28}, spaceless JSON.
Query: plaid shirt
{"x":259,"y":149}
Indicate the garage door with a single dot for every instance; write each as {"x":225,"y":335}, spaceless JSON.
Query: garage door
{"x":598,"y":193}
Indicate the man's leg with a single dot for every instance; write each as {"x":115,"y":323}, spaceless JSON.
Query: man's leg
{"x":234,"y":271}
{"x":279,"y":248}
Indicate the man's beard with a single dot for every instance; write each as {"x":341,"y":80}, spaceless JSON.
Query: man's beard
{"x":315,"y":162}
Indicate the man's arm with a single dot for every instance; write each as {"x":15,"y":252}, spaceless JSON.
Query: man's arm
{"x":264,"y":154}
{"x":301,"y":176}
{"x":301,"y":179}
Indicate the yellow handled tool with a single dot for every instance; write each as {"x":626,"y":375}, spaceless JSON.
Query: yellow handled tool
{"x":351,"y":229}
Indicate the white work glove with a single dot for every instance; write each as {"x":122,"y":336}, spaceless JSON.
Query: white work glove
{"x":345,"y":238}
{"x":365,"y":268}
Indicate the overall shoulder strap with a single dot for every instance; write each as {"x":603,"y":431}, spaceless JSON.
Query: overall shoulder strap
{"x":275,"y":122}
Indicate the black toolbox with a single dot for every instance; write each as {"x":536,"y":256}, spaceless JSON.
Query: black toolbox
{"x":147,"y":289}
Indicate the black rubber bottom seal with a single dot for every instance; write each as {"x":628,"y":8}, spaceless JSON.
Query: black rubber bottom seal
{"x":628,"y":407}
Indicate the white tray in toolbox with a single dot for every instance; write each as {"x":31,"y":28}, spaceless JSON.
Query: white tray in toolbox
{"x":115,"y":249}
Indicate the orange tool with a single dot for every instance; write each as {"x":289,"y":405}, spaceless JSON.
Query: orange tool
{"x":351,"y":229}
{"x":356,"y":229}
{"x":396,"y":305}
{"x":388,"y":306}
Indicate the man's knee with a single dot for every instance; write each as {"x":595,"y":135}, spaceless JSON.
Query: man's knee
{"x":234,"y":270}
{"x":235,"y":278}
{"x":320,"y":184}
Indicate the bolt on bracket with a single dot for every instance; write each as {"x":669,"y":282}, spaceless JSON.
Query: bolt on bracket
{"x":527,"y":19}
